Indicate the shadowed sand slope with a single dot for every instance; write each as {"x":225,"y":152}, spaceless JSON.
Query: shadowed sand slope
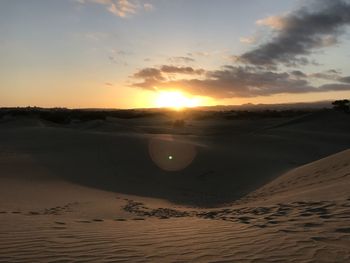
{"x":206,"y":163}
{"x":301,"y":216}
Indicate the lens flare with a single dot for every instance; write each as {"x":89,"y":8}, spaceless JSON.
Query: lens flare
{"x":170,"y":154}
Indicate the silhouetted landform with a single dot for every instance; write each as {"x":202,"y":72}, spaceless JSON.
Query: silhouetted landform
{"x":248,"y":111}
{"x":66,"y":116}
{"x":341,"y":105}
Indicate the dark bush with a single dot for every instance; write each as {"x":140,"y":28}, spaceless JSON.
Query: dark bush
{"x":341,"y":105}
{"x":179,"y":124}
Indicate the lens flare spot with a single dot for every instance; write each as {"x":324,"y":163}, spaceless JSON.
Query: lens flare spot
{"x":171,"y":154}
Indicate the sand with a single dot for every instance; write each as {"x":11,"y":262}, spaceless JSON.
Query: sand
{"x":252,"y":191}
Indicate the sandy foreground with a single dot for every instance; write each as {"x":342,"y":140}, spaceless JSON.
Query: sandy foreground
{"x":214,"y":191}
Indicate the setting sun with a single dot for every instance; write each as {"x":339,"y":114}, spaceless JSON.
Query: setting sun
{"x":175,"y":100}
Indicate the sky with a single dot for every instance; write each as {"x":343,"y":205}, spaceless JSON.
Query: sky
{"x":133,"y":53}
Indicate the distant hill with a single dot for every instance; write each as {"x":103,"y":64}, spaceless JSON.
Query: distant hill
{"x":282,"y":106}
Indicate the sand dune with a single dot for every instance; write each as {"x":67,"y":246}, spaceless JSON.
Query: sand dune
{"x":327,"y":178}
{"x":85,"y":193}
{"x":310,"y":231}
{"x":231,"y":158}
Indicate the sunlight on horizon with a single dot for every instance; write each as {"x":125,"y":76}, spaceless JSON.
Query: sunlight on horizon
{"x":176,"y":100}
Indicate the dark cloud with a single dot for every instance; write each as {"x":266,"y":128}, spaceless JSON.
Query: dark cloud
{"x":298,"y":74}
{"x":149,"y":75}
{"x":326,"y":75}
{"x":112,"y":59}
{"x":154,"y":76}
{"x":333,"y":71}
{"x":299,"y":33}
{"x":334,"y":87}
{"x":185,"y":60}
{"x":181,"y":70}
{"x":236,"y":81}
{"x":345,"y":79}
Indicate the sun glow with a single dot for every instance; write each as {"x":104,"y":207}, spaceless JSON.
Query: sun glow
{"x":176,"y":100}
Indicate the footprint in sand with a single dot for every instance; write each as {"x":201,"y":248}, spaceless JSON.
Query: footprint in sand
{"x":309,"y":224}
{"x":60,"y":223}
{"x":325,"y":216}
{"x":83,"y":221}
{"x":318,"y":238}
{"x":288,"y":231}
{"x":138,"y":218}
{"x":318,"y":210}
{"x":244,"y":219}
{"x":305,"y":214}
{"x":97,"y":220}
{"x":343,"y":230}
{"x":59,"y":227}
{"x":120,"y":219}
{"x":33,"y":213}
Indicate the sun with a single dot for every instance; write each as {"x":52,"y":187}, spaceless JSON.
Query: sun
{"x":175,"y":100}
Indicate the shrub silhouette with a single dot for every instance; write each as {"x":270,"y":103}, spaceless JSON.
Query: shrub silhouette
{"x":179,"y":124}
{"x":341,"y":105}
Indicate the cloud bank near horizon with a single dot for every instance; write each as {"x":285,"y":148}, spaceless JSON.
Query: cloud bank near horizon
{"x":270,"y":68}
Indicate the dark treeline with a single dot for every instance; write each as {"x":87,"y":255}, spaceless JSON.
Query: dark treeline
{"x":67,"y":116}
{"x":341,"y":105}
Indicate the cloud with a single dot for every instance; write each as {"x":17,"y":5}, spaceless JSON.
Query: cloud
{"x":298,"y":74}
{"x":247,"y":40}
{"x":345,"y":79}
{"x":295,"y":36}
{"x":334,"y":87}
{"x":299,"y":33}
{"x":275,"y":22}
{"x":153,"y":76}
{"x":121,"y":8}
{"x":233,"y":81}
{"x":182,"y":59}
{"x":148,"y":7}
{"x":199,"y":54}
{"x":181,"y":70}
{"x":157,"y":73}
{"x":326,"y":75}
{"x":149,"y":73}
